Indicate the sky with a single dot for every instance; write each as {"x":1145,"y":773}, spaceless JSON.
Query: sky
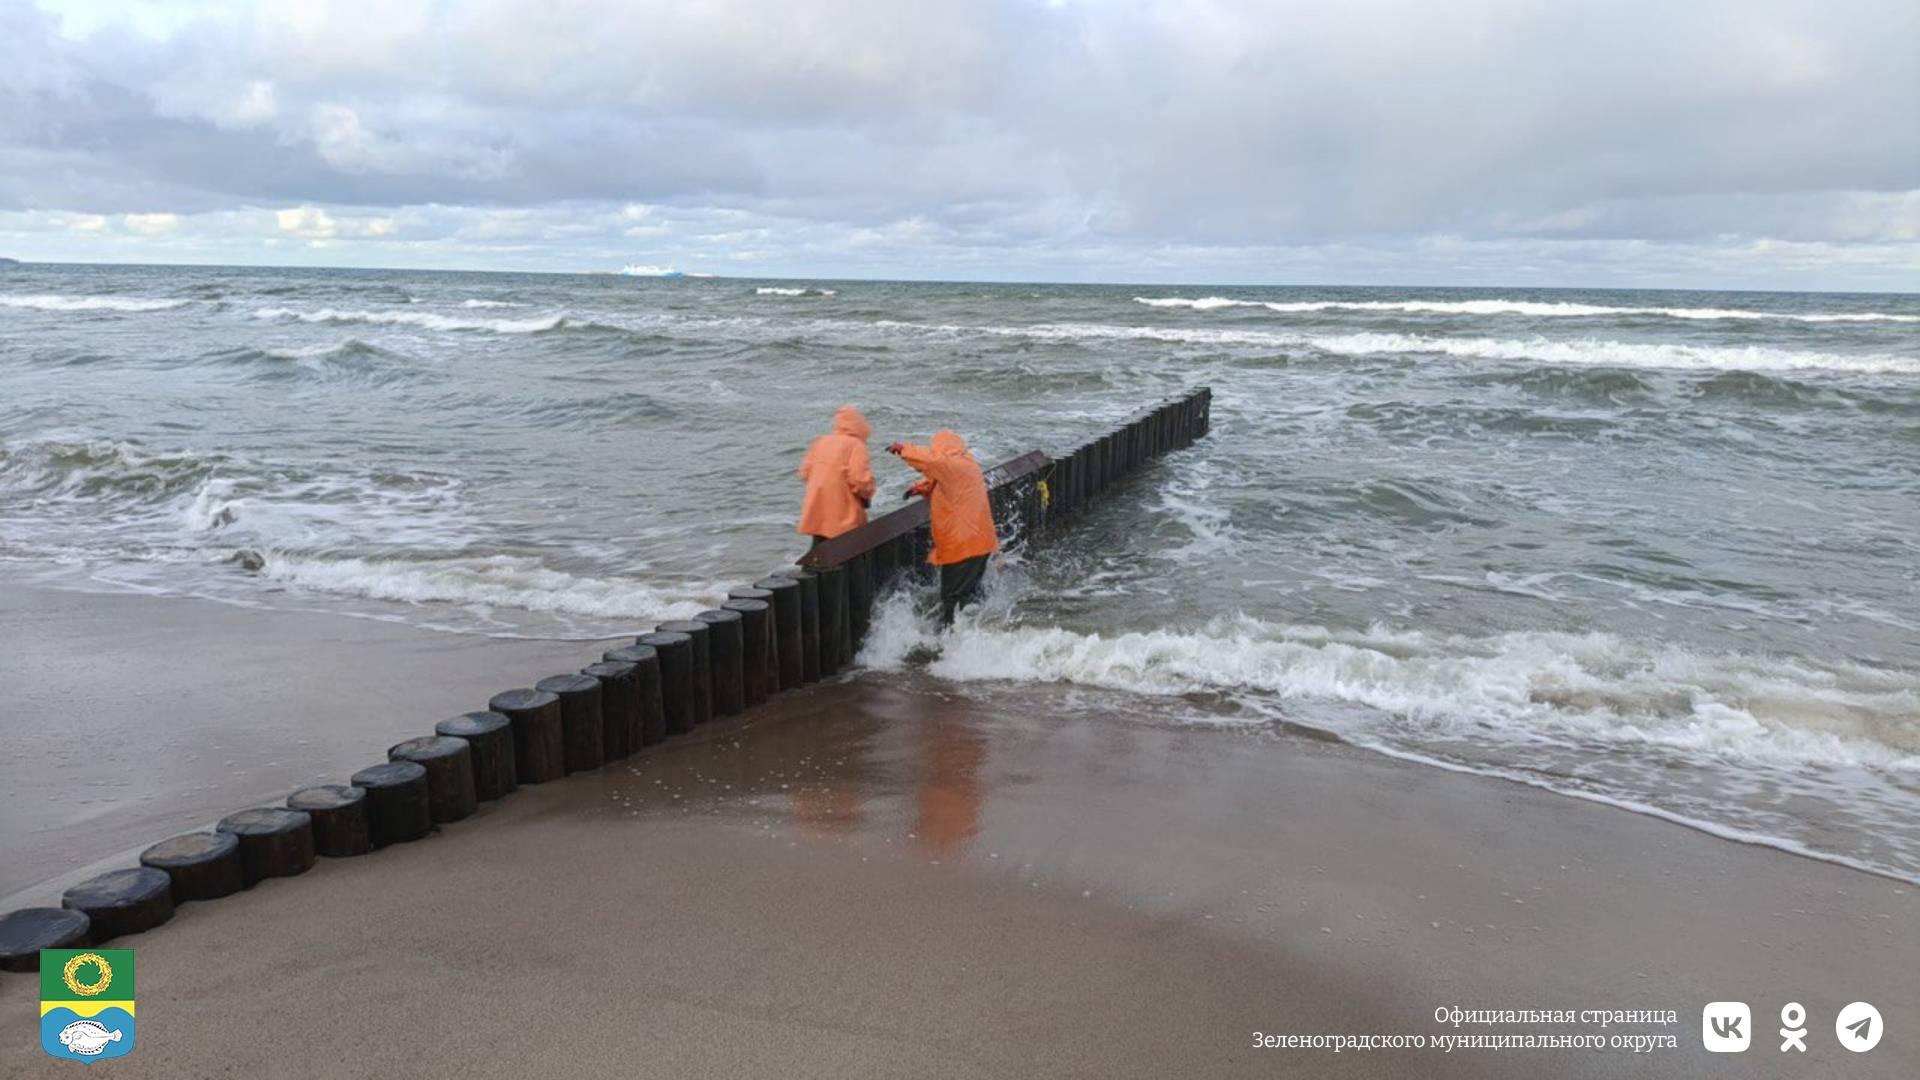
{"x":1691,"y":144}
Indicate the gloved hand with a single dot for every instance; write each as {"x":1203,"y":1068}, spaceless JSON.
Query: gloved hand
{"x":894,"y":448}
{"x":920,"y":488}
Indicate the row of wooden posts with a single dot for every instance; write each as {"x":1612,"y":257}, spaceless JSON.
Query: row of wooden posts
{"x":789,"y":630}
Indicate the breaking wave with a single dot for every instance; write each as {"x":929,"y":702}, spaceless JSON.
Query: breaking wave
{"x":424,"y":319}
{"x":1539,"y":685}
{"x":75,"y":471}
{"x":1588,"y":351}
{"x":778,"y":290}
{"x":90,"y":303}
{"x":118,"y":499}
{"x":351,"y":359}
{"x":1535,"y":308}
{"x":1618,"y":353}
{"x":519,"y":582}
{"x":1538,"y":707}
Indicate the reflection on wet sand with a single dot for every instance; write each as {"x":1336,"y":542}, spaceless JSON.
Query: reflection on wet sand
{"x":948,"y":791}
{"x":939,"y":757}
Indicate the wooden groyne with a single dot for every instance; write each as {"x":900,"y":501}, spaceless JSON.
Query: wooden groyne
{"x":1032,"y":492}
{"x":785,"y":631}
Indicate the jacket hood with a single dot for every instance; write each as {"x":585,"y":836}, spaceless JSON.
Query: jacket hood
{"x":848,"y":421}
{"x":946,"y":442}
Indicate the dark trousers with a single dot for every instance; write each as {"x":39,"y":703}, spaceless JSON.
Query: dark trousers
{"x":960,"y":586}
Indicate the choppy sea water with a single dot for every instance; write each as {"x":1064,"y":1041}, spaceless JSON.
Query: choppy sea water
{"x":1656,"y":549}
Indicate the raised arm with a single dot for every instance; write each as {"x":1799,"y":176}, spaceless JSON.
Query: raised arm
{"x":920,"y":457}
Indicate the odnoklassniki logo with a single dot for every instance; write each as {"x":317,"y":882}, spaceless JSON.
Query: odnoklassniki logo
{"x":86,"y":1003}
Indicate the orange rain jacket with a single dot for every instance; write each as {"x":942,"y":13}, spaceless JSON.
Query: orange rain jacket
{"x":839,"y":477}
{"x":962,"y":514}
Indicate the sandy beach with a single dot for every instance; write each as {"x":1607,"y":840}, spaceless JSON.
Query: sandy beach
{"x":883,"y":877}
{"x":133,"y":718}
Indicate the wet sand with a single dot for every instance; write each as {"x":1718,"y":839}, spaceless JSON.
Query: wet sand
{"x":885,"y":878}
{"x":129,"y":719}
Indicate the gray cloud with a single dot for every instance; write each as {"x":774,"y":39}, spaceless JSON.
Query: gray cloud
{"x":1003,"y":138}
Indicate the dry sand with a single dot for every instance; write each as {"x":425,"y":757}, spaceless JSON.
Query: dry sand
{"x":884,"y":878}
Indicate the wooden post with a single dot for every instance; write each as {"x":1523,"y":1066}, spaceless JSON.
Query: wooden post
{"x":201,"y":866}
{"x":539,"y":751}
{"x":759,"y":666}
{"x":809,"y":621}
{"x":489,"y":737}
{"x":786,"y":619}
{"x":274,"y":842}
{"x":25,"y":932}
{"x":122,"y":902}
{"x":702,"y":660}
{"x":581,"y":725}
{"x":646,"y":690}
{"x":726,"y":641}
{"x":449,"y":765}
{"x":675,"y":651}
{"x":833,"y":620}
{"x":338,"y":813}
{"x":859,"y":601}
{"x":619,"y":706}
{"x":399,"y":808}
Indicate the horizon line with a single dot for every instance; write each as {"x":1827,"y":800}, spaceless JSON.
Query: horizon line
{"x":692,"y":275}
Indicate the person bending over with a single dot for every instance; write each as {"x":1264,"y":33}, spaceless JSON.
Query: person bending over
{"x":839,"y":478}
{"x":963,"y":533}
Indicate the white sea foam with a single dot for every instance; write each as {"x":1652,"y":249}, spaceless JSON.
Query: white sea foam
{"x":489,"y":304}
{"x":492,"y":581}
{"x":427,"y":320}
{"x":1582,"y":352}
{"x":129,"y":501}
{"x":778,"y":290}
{"x":1531,"y":687}
{"x":306,"y":354}
{"x":213,"y":506}
{"x":1184,"y":497}
{"x":91,"y":303}
{"x":1205,"y":303}
{"x":1594,"y":352}
{"x":1534,"y":308}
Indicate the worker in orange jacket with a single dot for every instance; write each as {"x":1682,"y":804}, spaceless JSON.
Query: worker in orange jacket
{"x":839,"y":478}
{"x":963,"y":533}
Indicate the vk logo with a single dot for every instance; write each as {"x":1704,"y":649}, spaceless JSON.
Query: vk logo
{"x":1726,"y":1027}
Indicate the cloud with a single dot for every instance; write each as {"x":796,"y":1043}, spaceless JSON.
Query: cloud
{"x":307,"y":222}
{"x":1004,"y":138}
{"x":151,"y":224}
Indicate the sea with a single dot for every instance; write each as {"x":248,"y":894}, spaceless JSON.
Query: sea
{"x":1654,"y":549}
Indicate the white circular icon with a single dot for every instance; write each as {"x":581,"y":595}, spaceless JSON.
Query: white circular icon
{"x":1858,"y":1027}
